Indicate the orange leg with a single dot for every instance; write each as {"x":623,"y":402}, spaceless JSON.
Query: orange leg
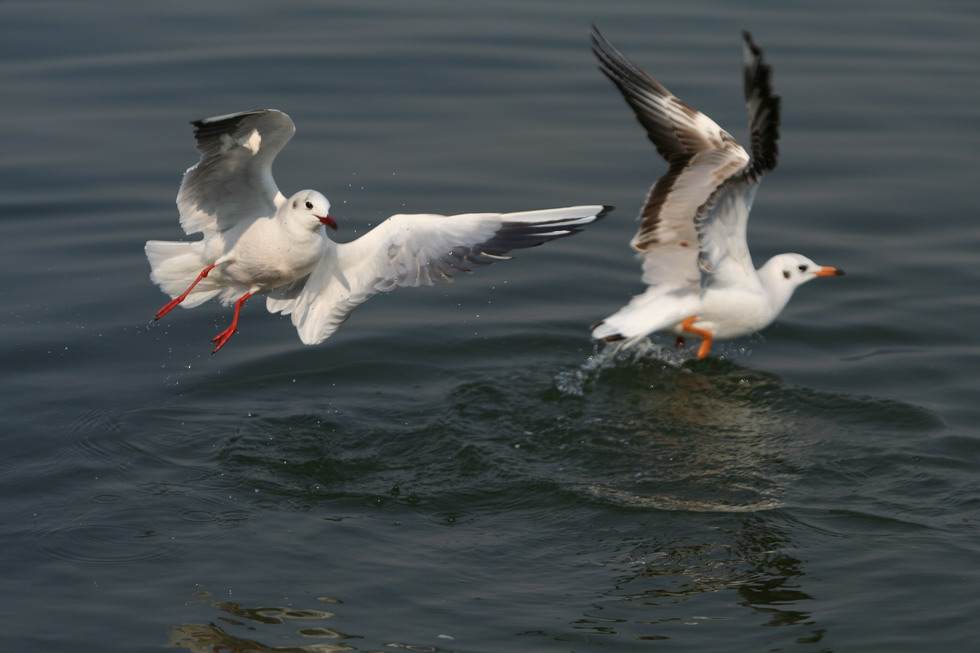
{"x":226,"y":335}
{"x":704,"y":333}
{"x":172,"y":304}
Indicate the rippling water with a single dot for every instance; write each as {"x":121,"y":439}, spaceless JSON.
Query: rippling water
{"x":459,"y":468}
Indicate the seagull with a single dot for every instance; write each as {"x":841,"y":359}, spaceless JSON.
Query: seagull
{"x":257,"y":241}
{"x":691,"y":238}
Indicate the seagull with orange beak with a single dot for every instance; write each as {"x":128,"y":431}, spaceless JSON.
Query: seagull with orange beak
{"x":692,"y":235}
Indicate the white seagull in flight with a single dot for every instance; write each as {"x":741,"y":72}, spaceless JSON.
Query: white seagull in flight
{"x":255,"y":240}
{"x":692,"y":228}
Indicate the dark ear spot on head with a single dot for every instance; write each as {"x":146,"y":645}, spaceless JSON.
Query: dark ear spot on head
{"x":785,"y":274}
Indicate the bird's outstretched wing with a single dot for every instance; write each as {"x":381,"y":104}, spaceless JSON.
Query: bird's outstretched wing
{"x":702,"y":158}
{"x":233,"y":180}
{"x":415,"y":250}
{"x":722,"y":222}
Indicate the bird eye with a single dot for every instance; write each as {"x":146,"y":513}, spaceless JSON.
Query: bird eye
{"x":802,"y":267}
{"x":309,"y":205}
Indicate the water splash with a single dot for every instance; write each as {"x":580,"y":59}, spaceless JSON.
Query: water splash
{"x":576,"y":382}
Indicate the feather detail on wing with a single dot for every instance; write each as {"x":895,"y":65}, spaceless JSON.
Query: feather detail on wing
{"x":702,"y":156}
{"x":706,"y":194}
{"x":763,"y":107}
{"x":415,"y":250}
{"x":233,"y":180}
{"x":724,"y":257}
{"x":722,"y":222}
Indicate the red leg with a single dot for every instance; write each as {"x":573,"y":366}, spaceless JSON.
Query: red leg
{"x":226,"y":335}
{"x":704,"y":333}
{"x":172,"y":304}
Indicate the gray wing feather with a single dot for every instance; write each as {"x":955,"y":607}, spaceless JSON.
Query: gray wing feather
{"x":418,"y":250}
{"x":233,"y":180}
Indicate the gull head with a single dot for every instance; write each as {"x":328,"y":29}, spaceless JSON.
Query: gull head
{"x":796,"y":269}
{"x":783,"y":273}
{"x":311,"y":208}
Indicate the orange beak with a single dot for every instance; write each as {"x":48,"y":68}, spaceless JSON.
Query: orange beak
{"x":829,"y":271}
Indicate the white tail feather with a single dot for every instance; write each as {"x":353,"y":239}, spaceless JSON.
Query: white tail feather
{"x":652,"y":311}
{"x":175,"y":265}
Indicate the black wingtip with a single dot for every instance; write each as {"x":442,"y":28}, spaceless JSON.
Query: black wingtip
{"x":606,"y":210}
{"x":602,"y":48}
{"x":228,"y":117}
{"x":764,"y":107}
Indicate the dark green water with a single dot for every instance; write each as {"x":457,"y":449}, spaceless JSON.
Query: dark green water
{"x":453,"y":470}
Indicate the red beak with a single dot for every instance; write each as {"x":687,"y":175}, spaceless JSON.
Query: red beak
{"x":828,"y":271}
{"x":328,"y":221}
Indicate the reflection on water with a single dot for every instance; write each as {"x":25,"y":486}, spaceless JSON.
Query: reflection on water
{"x":727,"y":446}
{"x":261,"y":622}
{"x":697,"y":436}
{"x":694,"y":463}
{"x":705,"y":436}
{"x":702,"y":457}
{"x":210,"y":637}
{"x":749,"y":557}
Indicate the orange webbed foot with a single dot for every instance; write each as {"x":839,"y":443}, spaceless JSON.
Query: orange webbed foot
{"x":706,"y":336}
